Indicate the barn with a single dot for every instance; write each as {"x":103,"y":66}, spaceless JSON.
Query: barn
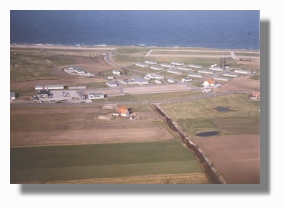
{"x":209,"y":82}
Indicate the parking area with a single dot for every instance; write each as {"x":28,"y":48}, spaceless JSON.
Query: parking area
{"x":64,"y":96}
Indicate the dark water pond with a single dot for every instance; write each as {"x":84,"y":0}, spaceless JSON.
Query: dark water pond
{"x":222,"y":109}
{"x":209,"y":133}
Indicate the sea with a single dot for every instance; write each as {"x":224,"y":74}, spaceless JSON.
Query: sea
{"x":221,"y":29}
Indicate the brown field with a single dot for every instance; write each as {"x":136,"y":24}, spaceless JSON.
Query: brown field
{"x":189,"y":178}
{"x":32,"y":126}
{"x":236,"y":157}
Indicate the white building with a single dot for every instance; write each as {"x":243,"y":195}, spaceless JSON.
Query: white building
{"x":141,"y":65}
{"x":140,"y":80}
{"x":216,"y":69}
{"x":242,"y":71}
{"x":170,"y":80}
{"x":230,"y":75}
{"x":116,"y":72}
{"x":110,"y":77}
{"x":222,"y":79}
{"x":186,"y":79}
{"x":157,"y":81}
{"x":150,"y":62}
{"x":77,"y":87}
{"x":209,"y":82}
{"x":184,"y":68}
{"x":39,"y":87}
{"x":195,"y":66}
{"x":171,"y":70}
{"x":96,"y":96}
{"x":155,"y":76}
{"x":177,"y":63}
{"x":206,"y":72}
{"x":167,"y":65}
{"x":76,"y":70}
{"x":54,"y":87}
{"x":157,"y":68}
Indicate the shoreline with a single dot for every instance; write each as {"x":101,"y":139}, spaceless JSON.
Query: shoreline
{"x":112,"y":47}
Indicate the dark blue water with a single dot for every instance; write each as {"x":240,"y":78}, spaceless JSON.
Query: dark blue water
{"x":212,"y":29}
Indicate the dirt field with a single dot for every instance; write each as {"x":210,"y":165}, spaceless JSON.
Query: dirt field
{"x":236,"y":157}
{"x":80,"y":125}
{"x":242,"y":83}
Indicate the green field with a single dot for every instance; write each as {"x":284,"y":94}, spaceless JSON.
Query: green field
{"x":59,"y":163}
{"x":201,"y":116}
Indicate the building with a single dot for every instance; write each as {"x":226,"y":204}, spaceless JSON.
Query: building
{"x":96,"y":96}
{"x":255,"y":95}
{"x":112,"y":83}
{"x":76,"y":70}
{"x":206,"y":72}
{"x":77,"y":87}
{"x":12,"y":96}
{"x":116,"y":72}
{"x":184,"y":68}
{"x":242,"y":71}
{"x":157,"y":81}
{"x":140,"y":80}
{"x":141,"y":65}
{"x":186,"y":79}
{"x":150,"y":62}
{"x":155,"y":76}
{"x":54,"y":87}
{"x":230,"y":75}
{"x":156,"y":68}
{"x":123,"y":111}
{"x":195,"y":66}
{"x":170,"y":80}
{"x":110,"y":77}
{"x":177,"y":63}
{"x":39,"y":88}
{"x":209,"y":82}
{"x":222,"y":79}
{"x":167,"y":65}
{"x":171,"y":70}
{"x":216,"y":69}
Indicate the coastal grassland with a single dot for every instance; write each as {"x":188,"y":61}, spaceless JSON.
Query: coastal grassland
{"x":78,"y":162}
{"x":201,"y":116}
{"x":34,"y":65}
{"x":153,"y":97}
{"x":190,"y":52}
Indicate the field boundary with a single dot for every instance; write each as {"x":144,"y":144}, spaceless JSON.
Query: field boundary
{"x":213,"y":175}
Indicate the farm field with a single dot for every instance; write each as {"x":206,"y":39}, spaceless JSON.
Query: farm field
{"x":235,"y":151}
{"x":93,"y":162}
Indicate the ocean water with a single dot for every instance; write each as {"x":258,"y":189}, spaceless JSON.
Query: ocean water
{"x":223,"y":29}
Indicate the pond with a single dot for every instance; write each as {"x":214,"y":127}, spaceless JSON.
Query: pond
{"x":222,"y":109}
{"x":209,"y":133}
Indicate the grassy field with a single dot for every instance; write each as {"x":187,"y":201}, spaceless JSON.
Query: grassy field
{"x":201,"y":116}
{"x":61,"y":163}
{"x":153,"y":97}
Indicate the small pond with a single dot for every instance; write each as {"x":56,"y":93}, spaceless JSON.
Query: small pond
{"x":209,"y":133}
{"x":222,"y":109}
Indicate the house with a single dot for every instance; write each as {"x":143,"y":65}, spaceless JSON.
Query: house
{"x":116,"y":72}
{"x":123,"y":111}
{"x":255,"y":95}
{"x":12,"y":96}
{"x":209,"y":82}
